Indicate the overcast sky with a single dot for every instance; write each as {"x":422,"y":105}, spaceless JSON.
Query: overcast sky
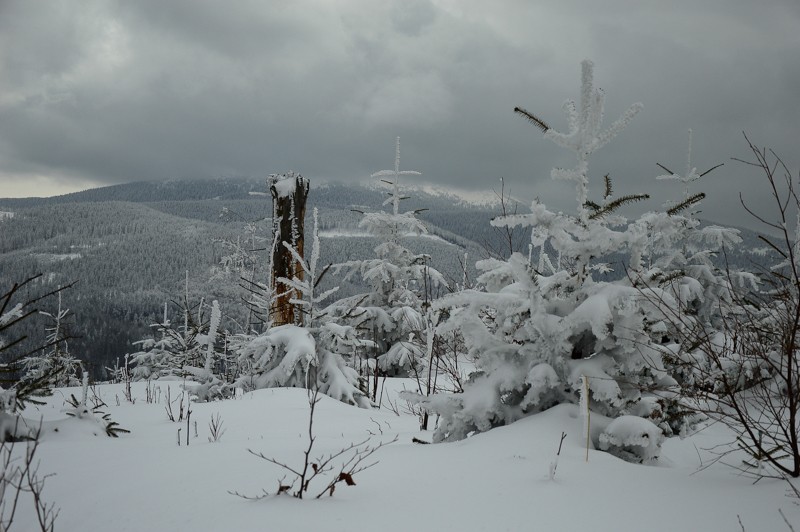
{"x":103,"y":92}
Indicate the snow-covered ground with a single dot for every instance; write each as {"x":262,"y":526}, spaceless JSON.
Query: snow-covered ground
{"x":345,"y":233}
{"x":496,"y":481}
{"x":487,"y":198}
{"x":55,"y":257}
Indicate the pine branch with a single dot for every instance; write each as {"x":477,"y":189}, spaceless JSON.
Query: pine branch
{"x":8,"y":295}
{"x":322,"y":274}
{"x":533,"y":119}
{"x":664,"y":280}
{"x":609,"y":189}
{"x":685,"y":204}
{"x":712,"y":169}
{"x":624,"y":200}
{"x":592,"y":205}
{"x":52,"y":293}
{"x":616,"y":204}
{"x":667,"y":170}
{"x":13,"y":322}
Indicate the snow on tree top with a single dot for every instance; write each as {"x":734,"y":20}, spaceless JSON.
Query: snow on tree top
{"x":285,"y":184}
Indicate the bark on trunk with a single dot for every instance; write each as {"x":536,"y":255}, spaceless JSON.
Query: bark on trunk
{"x":289,"y":193}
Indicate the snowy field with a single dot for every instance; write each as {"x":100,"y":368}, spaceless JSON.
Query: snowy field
{"x":496,"y":481}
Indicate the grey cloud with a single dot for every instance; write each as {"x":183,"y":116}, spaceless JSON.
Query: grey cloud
{"x":412,"y":16}
{"x":113,"y":92}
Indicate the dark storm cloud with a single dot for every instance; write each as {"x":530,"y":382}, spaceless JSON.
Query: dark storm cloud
{"x":111,"y":92}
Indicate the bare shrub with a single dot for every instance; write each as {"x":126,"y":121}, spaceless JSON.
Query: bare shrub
{"x":215,"y":428}
{"x":21,"y":478}
{"x":744,"y":371}
{"x":319,"y":476}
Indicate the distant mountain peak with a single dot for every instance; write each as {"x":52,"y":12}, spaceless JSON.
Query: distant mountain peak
{"x":473,"y":198}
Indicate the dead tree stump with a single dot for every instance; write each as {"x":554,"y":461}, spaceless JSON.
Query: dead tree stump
{"x":289,"y":192}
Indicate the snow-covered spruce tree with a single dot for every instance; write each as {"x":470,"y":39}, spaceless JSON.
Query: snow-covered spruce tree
{"x":744,"y":370}
{"x":236,"y":279}
{"x":189,"y":352}
{"x":210,"y":378}
{"x":260,"y":302}
{"x":55,"y":359}
{"x":180,"y":350}
{"x":15,"y":347}
{"x":391,"y":313}
{"x":304,"y":355}
{"x":540,"y":323}
{"x":157,"y":356}
{"x":240,"y":258}
{"x":679,"y":259}
{"x":679,"y":252}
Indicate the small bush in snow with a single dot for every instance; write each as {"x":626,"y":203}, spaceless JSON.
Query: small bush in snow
{"x":81,"y":410}
{"x":215,"y":428}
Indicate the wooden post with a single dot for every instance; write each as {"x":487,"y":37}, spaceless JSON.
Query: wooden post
{"x":289,"y":193}
{"x":585,"y":413}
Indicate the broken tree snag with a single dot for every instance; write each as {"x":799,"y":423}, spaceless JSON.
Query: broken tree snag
{"x":289,"y":192}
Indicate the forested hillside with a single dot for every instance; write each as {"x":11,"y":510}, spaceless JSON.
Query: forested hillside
{"x":130,"y":246}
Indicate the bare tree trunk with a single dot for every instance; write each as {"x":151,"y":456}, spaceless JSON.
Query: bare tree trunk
{"x":289,"y":193}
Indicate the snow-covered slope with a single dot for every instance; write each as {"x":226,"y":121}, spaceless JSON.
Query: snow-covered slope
{"x":491,"y":482}
{"x":467,"y":198}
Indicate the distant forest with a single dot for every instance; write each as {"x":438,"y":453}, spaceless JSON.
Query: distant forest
{"x":129,"y":248}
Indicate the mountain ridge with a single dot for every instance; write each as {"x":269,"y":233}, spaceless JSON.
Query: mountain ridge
{"x":238,"y":188}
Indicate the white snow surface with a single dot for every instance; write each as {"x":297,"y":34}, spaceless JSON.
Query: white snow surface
{"x":357,"y":233}
{"x":57,"y":257}
{"x":633,"y":431}
{"x":286,"y":186}
{"x":477,"y":198}
{"x":495,"y":481}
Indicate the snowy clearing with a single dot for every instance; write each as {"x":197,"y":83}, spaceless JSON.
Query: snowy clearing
{"x":493,"y":481}
{"x":345,"y":233}
{"x":55,"y":257}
